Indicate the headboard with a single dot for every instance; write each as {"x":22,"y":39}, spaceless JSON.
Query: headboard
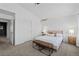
{"x":54,"y":32}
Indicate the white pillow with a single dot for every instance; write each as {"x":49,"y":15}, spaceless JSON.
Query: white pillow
{"x":51,"y":35}
{"x":59,"y":34}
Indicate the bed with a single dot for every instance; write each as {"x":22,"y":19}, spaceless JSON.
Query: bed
{"x":52,"y":40}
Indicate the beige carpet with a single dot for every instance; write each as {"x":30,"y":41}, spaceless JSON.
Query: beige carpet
{"x":26,"y":49}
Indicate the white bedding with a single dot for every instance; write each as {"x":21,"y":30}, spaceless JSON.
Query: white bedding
{"x":56,"y":41}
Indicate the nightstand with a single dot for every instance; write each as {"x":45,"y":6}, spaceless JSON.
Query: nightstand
{"x":72,"y":40}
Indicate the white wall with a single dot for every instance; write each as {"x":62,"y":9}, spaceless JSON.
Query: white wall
{"x":23,"y":23}
{"x":63,"y":23}
{"x":36,"y":27}
{"x":77,"y":41}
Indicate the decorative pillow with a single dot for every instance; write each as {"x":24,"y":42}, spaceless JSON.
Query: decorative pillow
{"x":49,"y":32}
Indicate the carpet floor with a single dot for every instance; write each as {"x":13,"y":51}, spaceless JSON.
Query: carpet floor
{"x":26,"y":49}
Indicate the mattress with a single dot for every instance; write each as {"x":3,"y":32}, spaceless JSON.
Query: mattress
{"x":55,"y":41}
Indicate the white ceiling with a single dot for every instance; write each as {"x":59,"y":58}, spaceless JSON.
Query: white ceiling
{"x":50,"y":10}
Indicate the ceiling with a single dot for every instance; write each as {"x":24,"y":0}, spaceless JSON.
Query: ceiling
{"x":52,"y":10}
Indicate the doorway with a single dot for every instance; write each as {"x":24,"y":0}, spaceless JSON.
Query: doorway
{"x":7,"y":31}
{"x":3,"y":29}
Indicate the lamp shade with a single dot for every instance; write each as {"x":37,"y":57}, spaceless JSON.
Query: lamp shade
{"x":45,"y":29}
{"x":71,"y":31}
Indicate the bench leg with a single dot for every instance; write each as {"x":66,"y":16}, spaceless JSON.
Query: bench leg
{"x":38,"y":47}
{"x":50,"y":52}
{"x":33,"y":45}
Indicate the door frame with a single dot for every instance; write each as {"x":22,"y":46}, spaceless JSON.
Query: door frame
{"x":10,"y":33}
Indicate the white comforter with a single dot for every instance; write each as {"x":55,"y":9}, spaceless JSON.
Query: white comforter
{"x":56,"y":41}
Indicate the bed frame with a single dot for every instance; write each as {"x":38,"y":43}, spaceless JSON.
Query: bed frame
{"x":45,"y":45}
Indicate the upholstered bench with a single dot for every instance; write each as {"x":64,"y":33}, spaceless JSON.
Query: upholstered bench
{"x":43,"y":45}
